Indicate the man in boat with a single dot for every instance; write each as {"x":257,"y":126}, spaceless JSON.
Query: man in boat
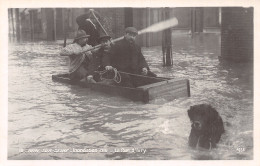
{"x":127,"y":55}
{"x":101,"y":59}
{"x":79,"y":59}
{"x":88,"y":23}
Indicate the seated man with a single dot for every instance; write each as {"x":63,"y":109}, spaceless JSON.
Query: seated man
{"x":101,"y":58}
{"x":127,"y":57}
{"x":79,"y":58}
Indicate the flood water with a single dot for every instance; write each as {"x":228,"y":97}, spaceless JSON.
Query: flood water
{"x":53,"y":121}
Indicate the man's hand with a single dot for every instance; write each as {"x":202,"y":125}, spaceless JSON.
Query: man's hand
{"x":144,"y":71}
{"x":108,"y":67}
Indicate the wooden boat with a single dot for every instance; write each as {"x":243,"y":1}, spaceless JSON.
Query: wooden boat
{"x":147,"y":88}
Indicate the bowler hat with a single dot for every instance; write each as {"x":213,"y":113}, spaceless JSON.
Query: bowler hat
{"x":104,"y":37}
{"x":131,"y":30}
{"x":81,"y":34}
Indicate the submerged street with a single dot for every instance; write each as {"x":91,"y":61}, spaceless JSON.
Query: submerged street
{"x":60,"y":120}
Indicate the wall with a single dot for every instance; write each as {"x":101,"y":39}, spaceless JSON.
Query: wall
{"x":56,"y":23}
{"x":237,"y":34}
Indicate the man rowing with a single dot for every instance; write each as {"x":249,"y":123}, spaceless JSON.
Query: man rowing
{"x":79,"y":59}
{"x":84,"y":63}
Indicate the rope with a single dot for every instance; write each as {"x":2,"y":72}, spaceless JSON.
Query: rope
{"x":116,"y":78}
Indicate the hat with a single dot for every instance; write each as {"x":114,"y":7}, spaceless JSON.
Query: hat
{"x":131,"y":30}
{"x":81,"y":34}
{"x":104,"y":37}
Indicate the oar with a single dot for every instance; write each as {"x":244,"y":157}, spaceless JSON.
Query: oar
{"x":160,"y":26}
{"x":153,"y":28}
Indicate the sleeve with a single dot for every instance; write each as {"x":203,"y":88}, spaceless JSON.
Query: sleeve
{"x":106,"y":59}
{"x":115,"y":54}
{"x":85,"y":48}
{"x":67,"y":51}
{"x":112,"y":55}
{"x":142,"y":61}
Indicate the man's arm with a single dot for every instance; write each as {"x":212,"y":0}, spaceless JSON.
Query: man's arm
{"x":67,"y":51}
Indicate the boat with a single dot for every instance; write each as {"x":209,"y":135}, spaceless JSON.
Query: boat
{"x":147,"y":88}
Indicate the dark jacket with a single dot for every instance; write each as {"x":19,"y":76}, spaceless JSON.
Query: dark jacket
{"x":89,"y":28}
{"x":128,"y":57}
{"x":99,"y":61}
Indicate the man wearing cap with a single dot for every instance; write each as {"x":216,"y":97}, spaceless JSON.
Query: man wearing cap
{"x":127,"y":55}
{"x":79,"y":58}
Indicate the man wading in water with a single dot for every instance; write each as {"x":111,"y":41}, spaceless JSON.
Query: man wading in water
{"x":79,"y":59}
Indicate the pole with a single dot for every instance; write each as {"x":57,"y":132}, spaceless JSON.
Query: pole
{"x":31,"y":14}
{"x":18,"y":27}
{"x":167,"y":41}
{"x":12,"y":18}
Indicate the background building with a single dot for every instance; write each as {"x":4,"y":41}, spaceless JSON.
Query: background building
{"x":34,"y":24}
{"x":235,"y":24}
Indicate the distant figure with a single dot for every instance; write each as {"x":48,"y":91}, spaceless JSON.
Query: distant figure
{"x":79,"y":59}
{"x":127,"y":55}
{"x":88,"y":23}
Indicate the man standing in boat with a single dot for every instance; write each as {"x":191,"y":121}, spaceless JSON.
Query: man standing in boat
{"x":127,"y":55}
{"x":88,"y":23}
{"x":79,"y":59}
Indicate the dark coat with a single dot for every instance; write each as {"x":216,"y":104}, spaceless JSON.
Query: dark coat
{"x":88,"y":27}
{"x":99,"y":61}
{"x":128,"y":57}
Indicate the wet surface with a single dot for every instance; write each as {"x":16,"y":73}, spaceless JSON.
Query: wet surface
{"x":50,"y":120}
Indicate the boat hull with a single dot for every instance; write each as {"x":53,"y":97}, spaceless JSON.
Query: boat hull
{"x":147,"y":88}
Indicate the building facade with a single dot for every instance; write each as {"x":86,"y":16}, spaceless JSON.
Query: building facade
{"x":50,"y":24}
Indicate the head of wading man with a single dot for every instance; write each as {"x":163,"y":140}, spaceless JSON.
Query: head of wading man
{"x":130,"y":34}
{"x":81,"y":38}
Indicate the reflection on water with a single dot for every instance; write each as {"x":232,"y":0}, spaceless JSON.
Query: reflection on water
{"x":60,"y":119}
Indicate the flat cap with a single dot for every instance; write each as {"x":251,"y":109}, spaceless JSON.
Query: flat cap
{"x":131,"y":30}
